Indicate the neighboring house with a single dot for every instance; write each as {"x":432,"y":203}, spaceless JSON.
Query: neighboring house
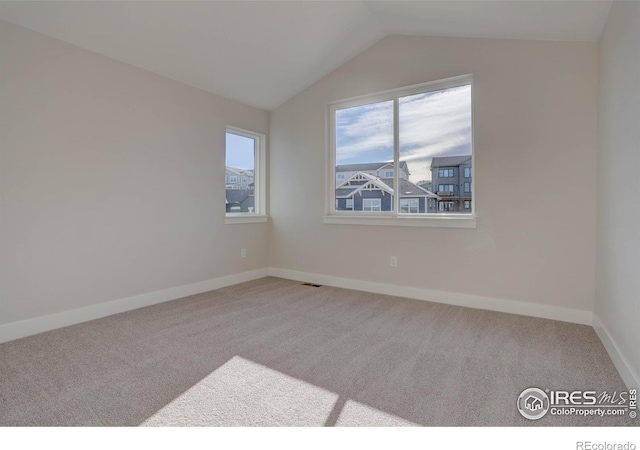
{"x":364,"y":190}
{"x":239,"y":178}
{"x":240,"y":201}
{"x":379,"y":170}
{"x":451,"y":179}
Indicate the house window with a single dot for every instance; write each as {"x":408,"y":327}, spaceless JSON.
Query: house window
{"x":245,"y":150}
{"x":340,"y":177}
{"x":403,"y":128}
{"x":445,"y":188}
{"x":371,"y":204}
{"x":467,"y":172}
{"x":350,"y":204}
{"x":467,"y":204}
{"x":467,"y":187}
{"x":409,"y":205}
{"x":445,"y":206}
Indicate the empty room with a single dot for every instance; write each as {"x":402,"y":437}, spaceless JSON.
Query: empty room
{"x":318,"y":214}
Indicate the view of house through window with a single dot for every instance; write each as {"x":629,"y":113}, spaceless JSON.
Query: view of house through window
{"x":433,"y":152}
{"x":240,"y":162}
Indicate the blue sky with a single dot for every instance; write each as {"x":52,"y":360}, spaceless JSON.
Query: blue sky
{"x":240,"y":151}
{"x":431,"y":124}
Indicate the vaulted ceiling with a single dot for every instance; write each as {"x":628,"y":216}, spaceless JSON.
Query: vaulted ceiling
{"x":264,"y":52}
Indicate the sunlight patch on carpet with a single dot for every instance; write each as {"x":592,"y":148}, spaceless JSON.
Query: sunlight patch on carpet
{"x":355,"y":414}
{"x":244,"y":393}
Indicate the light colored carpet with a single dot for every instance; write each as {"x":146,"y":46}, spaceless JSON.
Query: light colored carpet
{"x":274,"y":352}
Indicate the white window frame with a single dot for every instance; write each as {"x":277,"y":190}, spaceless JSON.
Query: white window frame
{"x":378,"y":202}
{"x":349,"y":204}
{"x":394,"y":218}
{"x":233,"y":179}
{"x":387,"y":172}
{"x":259,"y":177}
{"x":410,"y":201}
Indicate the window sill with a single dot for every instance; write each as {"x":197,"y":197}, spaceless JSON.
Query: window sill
{"x":230,"y":219}
{"x":438,"y":222}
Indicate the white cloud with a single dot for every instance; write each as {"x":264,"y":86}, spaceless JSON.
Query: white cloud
{"x":432,"y":124}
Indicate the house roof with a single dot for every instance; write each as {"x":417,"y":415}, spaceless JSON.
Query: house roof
{"x":237,"y":196}
{"x":359,"y":180}
{"x":448,"y":161}
{"x":407,"y":188}
{"x":363,"y":167}
{"x":240,"y":171}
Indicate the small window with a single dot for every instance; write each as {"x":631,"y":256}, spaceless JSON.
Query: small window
{"x":409,"y":205}
{"x":340,"y":177}
{"x":467,"y":172}
{"x":388,"y":173}
{"x":350,"y":204}
{"x":445,"y":187}
{"x":445,"y":173}
{"x":467,"y":204}
{"x":467,"y":187}
{"x":371,"y":204}
{"x":244,"y":153}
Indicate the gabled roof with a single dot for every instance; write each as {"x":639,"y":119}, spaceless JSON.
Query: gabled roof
{"x":449,"y":161}
{"x":363,"y":167}
{"x":363,"y":181}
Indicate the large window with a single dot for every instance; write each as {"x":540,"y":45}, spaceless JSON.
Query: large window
{"x":405,"y":135}
{"x":244,"y":165}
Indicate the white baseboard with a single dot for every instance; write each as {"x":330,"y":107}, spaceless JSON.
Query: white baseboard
{"x":450,"y":298}
{"x":24,"y":328}
{"x":627,"y":373}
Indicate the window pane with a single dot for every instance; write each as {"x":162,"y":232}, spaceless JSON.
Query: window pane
{"x":364,"y":156}
{"x":435,"y":149}
{"x":240,"y":152}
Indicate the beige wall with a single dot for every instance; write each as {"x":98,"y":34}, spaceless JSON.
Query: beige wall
{"x":112,"y":180}
{"x":535,"y":175}
{"x":618,"y":238}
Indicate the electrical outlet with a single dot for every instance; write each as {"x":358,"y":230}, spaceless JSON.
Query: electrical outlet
{"x":243,"y":253}
{"x":394,"y":261}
